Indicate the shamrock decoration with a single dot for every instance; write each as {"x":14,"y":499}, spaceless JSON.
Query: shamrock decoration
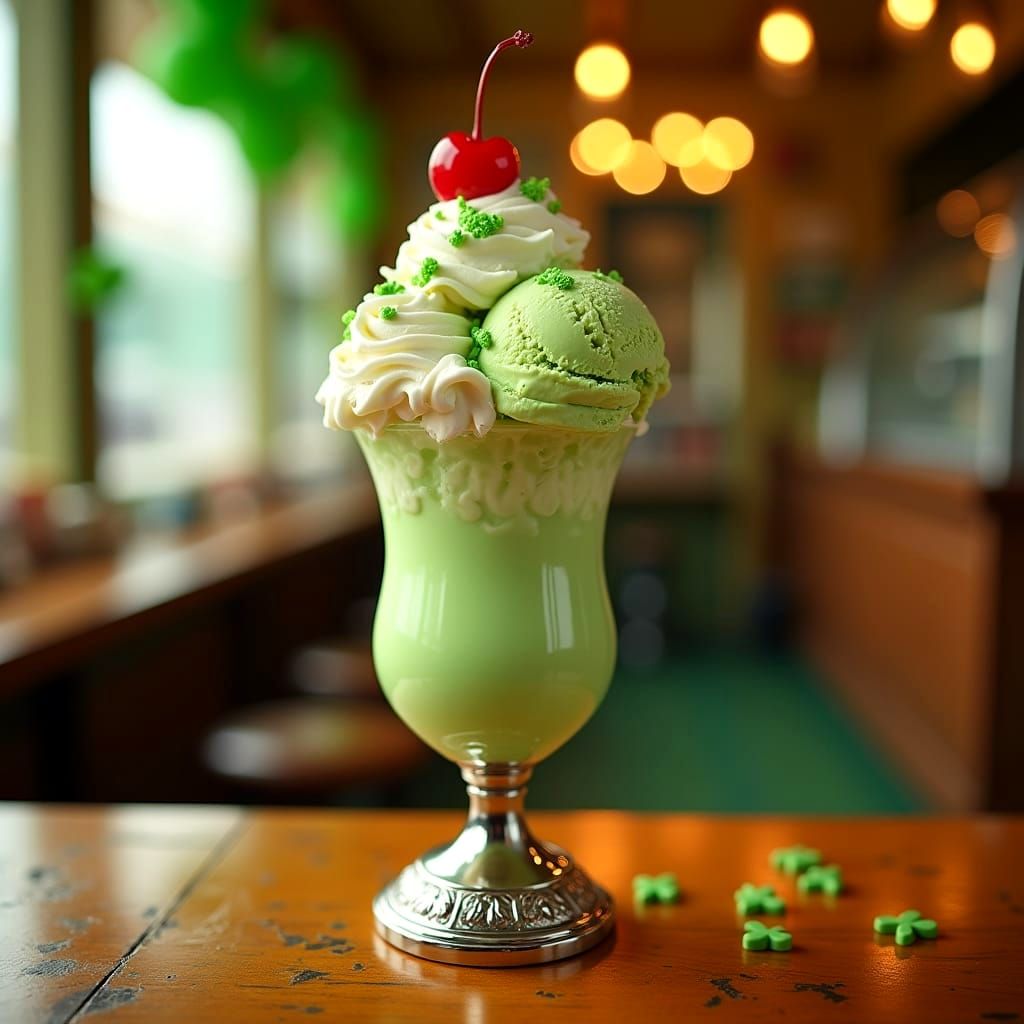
{"x":758,"y":899}
{"x":908,"y":927}
{"x":827,"y":878}
{"x":658,"y":889}
{"x":758,"y":936}
{"x":795,"y":860}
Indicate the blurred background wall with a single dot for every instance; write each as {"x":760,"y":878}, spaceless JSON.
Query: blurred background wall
{"x":816,"y":555}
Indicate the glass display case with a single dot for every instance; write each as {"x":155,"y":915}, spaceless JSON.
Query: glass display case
{"x":930,"y":371}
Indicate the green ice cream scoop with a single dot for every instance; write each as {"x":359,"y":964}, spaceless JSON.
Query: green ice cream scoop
{"x":573,"y":349}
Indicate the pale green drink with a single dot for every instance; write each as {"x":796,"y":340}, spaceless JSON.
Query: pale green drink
{"x":494,"y":638}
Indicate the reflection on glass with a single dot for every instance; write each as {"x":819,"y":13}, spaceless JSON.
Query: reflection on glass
{"x":174,"y":205}
{"x":8,"y":118}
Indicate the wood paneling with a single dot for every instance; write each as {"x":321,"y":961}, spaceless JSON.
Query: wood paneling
{"x":902,"y":598}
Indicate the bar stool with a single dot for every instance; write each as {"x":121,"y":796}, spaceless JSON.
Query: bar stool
{"x":313,"y":748}
{"x":336,"y":668}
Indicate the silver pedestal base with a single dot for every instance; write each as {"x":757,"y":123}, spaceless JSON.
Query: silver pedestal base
{"x":495,"y":897}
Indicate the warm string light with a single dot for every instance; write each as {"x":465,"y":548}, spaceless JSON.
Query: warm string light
{"x":707,"y":155}
{"x":785,"y":37}
{"x":910,"y":15}
{"x":602,"y":71}
{"x":641,"y":171}
{"x":973,"y":48}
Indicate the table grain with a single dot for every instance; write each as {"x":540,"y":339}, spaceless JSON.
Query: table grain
{"x":192,"y":914}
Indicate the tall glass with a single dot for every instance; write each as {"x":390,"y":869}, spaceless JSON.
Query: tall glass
{"x":494,"y":641}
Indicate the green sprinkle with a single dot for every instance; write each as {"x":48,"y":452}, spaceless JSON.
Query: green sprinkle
{"x":557,"y":277}
{"x":388,"y":313}
{"x":758,"y":936}
{"x":908,"y":927}
{"x":555,"y":206}
{"x":659,"y":889}
{"x":477,"y":223}
{"x":346,"y":318}
{"x":612,"y":275}
{"x":428,"y":268}
{"x":794,"y":860}
{"x":439,"y":215}
{"x":758,"y":899}
{"x":473,"y":364}
{"x":388,"y":288}
{"x":535,"y":188}
{"x":457,"y":238}
{"x":826,"y":878}
{"x":481,"y":336}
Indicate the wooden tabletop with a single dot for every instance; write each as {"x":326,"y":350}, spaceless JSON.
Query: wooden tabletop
{"x":172,"y":914}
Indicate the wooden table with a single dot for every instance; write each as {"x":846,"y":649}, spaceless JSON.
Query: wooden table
{"x":191,"y":915}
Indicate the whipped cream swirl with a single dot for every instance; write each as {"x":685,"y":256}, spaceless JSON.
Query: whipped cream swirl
{"x":405,"y":360}
{"x":476,"y":273}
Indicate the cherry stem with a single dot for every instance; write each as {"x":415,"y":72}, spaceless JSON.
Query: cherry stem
{"x":520,"y":38}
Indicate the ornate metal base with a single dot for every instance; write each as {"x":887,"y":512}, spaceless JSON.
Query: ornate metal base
{"x":495,"y":897}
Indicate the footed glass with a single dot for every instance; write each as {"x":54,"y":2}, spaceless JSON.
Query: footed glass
{"x":494,"y":641}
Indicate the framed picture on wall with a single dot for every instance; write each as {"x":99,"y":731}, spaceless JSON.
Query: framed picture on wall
{"x":661,"y":249}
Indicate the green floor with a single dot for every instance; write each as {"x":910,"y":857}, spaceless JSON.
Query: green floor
{"x":730,"y":733}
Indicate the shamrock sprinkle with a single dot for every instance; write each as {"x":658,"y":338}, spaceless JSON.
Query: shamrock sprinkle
{"x":388,"y":313}
{"x":754,"y":899}
{"x":908,"y":927}
{"x":826,"y":878}
{"x":612,"y":275}
{"x":555,"y":206}
{"x":795,"y":860}
{"x":759,"y":936}
{"x":477,"y":223}
{"x":439,"y":215}
{"x":556,"y":276}
{"x":388,"y":288}
{"x":428,"y":268}
{"x":457,"y":237}
{"x":657,"y":889}
{"x":346,"y":318}
{"x":535,"y":188}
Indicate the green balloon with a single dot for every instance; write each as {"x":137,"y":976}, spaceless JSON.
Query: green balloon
{"x":222,"y":17}
{"x":270,"y":139}
{"x":355,"y":136}
{"x":192,"y":71}
{"x":357,"y":205}
{"x":309,"y":73}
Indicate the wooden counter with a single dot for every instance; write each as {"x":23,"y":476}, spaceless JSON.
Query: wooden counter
{"x":200,"y":915}
{"x":65,"y":613}
{"x":131,"y":660}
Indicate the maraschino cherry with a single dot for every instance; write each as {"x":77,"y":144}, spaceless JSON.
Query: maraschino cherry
{"x":470,"y":165}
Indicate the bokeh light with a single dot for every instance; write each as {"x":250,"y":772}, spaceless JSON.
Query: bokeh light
{"x":973,"y":48}
{"x":958,"y":212}
{"x":995,"y":235}
{"x":673,"y":132}
{"x":642,"y":171}
{"x":786,"y":37}
{"x":912,"y":15}
{"x":602,"y":71}
{"x":705,"y":178}
{"x":578,"y":162}
{"x":604,"y":143}
{"x":728,"y":143}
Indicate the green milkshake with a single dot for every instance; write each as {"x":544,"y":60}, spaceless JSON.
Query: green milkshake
{"x":494,"y":388}
{"x":494,"y":639}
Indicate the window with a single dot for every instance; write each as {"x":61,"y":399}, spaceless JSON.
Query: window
{"x":175,"y":206}
{"x":312,"y":283}
{"x":8,"y":118}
